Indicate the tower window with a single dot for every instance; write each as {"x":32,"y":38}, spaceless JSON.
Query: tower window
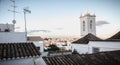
{"x":90,"y":24}
{"x":83,"y":25}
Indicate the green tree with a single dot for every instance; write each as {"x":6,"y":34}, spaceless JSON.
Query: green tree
{"x":75,"y":52}
{"x":53,"y":48}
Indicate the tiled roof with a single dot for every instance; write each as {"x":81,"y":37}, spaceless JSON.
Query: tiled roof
{"x":87,"y":38}
{"x":115,"y":37}
{"x":17,"y":50}
{"x":102,"y":58}
{"x":35,"y":38}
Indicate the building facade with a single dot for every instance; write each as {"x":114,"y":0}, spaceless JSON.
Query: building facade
{"x":6,"y":27}
{"x":92,"y":44}
{"x":7,"y":34}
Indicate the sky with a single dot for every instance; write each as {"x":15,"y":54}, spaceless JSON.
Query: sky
{"x":60,"y":18}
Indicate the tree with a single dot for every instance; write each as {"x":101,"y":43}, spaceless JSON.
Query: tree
{"x":75,"y":52}
{"x":52,"y":48}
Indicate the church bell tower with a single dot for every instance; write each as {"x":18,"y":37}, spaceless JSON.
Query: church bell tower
{"x":87,"y":24}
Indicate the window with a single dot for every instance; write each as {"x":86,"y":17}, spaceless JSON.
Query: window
{"x":95,"y":50}
{"x":90,"y":24}
{"x":7,"y":30}
{"x":38,"y":48}
{"x":83,"y":25}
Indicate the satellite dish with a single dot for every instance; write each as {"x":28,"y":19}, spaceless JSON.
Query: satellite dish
{"x":14,"y":21}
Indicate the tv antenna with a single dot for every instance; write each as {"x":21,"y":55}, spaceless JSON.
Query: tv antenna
{"x":26,"y":10}
{"x":14,"y":12}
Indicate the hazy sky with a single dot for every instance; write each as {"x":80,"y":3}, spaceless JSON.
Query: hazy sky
{"x":55,"y":18}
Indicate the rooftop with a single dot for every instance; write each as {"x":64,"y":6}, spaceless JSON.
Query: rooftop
{"x":35,"y":38}
{"x":87,"y":38}
{"x":18,"y":50}
{"x":115,"y":37}
{"x":102,"y":58}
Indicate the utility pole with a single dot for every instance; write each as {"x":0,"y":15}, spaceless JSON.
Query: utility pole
{"x":26,"y":10}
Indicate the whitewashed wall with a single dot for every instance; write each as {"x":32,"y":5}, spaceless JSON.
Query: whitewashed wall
{"x":39,"y":61}
{"x":18,"y":62}
{"x":6,"y":37}
{"x":40,"y":44}
{"x":104,"y":45}
{"x":67,"y":47}
{"x":24,"y":61}
{"x":81,"y":48}
{"x":7,"y":26}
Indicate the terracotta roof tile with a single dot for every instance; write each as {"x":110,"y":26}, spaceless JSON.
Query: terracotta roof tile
{"x":17,"y":50}
{"x":87,"y":38}
{"x":102,"y":58}
{"x":115,"y":37}
{"x":35,"y":38}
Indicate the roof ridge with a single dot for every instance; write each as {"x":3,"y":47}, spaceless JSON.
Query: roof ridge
{"x":115,"y":36}
{"x":87,"y":38}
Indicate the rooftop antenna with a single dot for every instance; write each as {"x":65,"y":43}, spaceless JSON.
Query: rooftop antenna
{"x":14,"y":12}
{"x":26,"y":10}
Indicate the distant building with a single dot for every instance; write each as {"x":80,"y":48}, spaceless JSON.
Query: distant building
{"x":64,"y":45}
{"x":34,"y":38}
{"x":87,"y":24}
{"x":7,"y":34}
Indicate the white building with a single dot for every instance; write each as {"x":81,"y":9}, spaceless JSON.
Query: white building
{"x":16,"y":50}
{"x":7,"y":34}
{"x":20,"y":54}
{"x":105,"y":45}
{"x":87,"y":23}
{"x":64,"y":45}
{"x":92,"y":44}
{"x":89,"y":43}
{"x":82,"y":45}
{"x":6,"y":27}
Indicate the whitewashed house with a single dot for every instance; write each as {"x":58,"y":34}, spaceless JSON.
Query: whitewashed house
{"x":7,"y":34}
{"x":110,"y":44}
{"x":92,"y":44}
{"x":82,"y":45}
{"x":6,"y":27}
{"x":105,"y":45}
{"x":20,"y":54}
{"x":16,"y":50}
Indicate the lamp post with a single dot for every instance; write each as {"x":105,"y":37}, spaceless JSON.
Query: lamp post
{"x":26,"y":10}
